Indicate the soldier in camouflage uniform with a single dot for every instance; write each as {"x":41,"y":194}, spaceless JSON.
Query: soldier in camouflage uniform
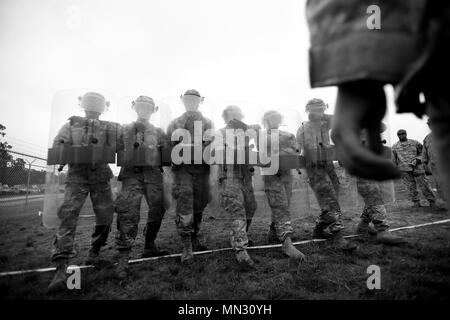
{"x":430,"y":161}
{"x":322,"y":178}
{"x":237,"y":197}
{"x":278,"y":187}
{"x":191,"y":181}
{"x":407,"y":155}
{"x":138,"y":182}
{"x":83,"y":180}
{"x":374,"y":210}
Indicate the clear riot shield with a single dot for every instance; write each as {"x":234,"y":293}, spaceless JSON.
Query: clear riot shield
{"x":262,"y":166}
{"x":139,"y":144}
{"x":75,"y":139}
{"x":234,"y":154}
{"x":174,"y":108}
{"x":324,"y":173}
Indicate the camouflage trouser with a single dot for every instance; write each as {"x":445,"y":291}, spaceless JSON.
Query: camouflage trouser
{"x":238,"y":200}
{"x":128,"y":208}
{"x":74,"y":198}
{"x":374,"y":209}
{"x":191,"y":193}
{"x":325,"y":192}
{"x":412,"y":181}
{"x":278,"y":190}
{"x":437,"y":180}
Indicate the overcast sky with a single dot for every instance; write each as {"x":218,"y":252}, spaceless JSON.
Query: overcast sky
{"x":251,"y":52}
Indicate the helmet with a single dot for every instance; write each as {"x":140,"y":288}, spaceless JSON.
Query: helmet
{"x":93,"y":101}
{"x":315,"y":104}
{"x":192,"y":92}
{"x":144,"y":101}
{"x":271,"y":114}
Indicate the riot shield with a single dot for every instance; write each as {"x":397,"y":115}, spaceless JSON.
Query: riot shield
{"x":330,"y":186}
{"x":77,"y":139}
{"x":175,"y":109}
{"x":142,"y":141}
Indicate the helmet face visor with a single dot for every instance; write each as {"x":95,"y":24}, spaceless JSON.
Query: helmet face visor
{"x":144,"y":109}
{"x":191,"y":102}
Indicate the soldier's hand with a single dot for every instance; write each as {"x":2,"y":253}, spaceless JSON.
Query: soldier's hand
{"x":361,"y":106}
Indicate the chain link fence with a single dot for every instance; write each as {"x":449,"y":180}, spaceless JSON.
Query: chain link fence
{"x":22,"y":178}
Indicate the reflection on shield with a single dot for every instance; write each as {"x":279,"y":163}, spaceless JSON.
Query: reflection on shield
{"x":88,"y":144}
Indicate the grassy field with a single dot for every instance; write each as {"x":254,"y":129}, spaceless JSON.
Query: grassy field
{"x":419,"y":269}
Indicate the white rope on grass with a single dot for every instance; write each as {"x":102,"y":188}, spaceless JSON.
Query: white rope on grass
{"x":134,"y":261}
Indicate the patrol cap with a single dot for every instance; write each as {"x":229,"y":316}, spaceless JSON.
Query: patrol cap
{"x":93,"y":101}
{"x":144,"y":100}
{"x":315,"y":104}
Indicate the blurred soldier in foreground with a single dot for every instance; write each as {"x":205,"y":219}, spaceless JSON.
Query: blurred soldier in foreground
{"x":374,"y":210}
{"x":236,"y":189}
{"x":278,"y":187}
{"x":191,"y":181}
{"x":82,"y":180}
{"x":407,"y":155}
{"x":140,"y":181}
{"x":407,"y":49}
{"x":313,"y":137}
{"x":429,"y":158}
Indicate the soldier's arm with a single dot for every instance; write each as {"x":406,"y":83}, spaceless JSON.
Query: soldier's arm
{"x":394,"y":157}
{"x":300,"y":138}
{"x":425,"y":158}
{"x":63,"y":136}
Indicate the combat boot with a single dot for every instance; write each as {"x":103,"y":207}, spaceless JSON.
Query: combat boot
{"x":339,"y":242}
{"x":122,"y":264}
{"x":93,"y":256}
{"x":365,"y":228}
{"x":320,"y":233}
{"x":416,"y":204}
{"x":291,"y":251}
{"x":272,"y":235}
{"x":196,"y":245}
{"x":386,"y":237}
{"x":187,"y":255}
{"x":59,"y":281}
{"x":150,"y":248}
{"x":244,"y":260}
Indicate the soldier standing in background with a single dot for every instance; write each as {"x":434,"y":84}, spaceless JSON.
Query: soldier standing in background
{"x":191,"y":181}
{"x":139,"y":181}
{"x":407,"y":154}
{"x":83,"y":180}
{"x":312,"y":137}
{"x":430,"y":162}
{"x":278,"y":187}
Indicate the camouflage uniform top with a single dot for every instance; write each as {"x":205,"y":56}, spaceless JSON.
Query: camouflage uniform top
{"x":243,"y":171}
{"x":287,"y":145}
{"x":186,"y":121}
{"x":313,"y":134}
{"x":81,"y":131}
{"x":405,"y":153}
{"x":428,"y":153}
{"x":146,"y":134}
